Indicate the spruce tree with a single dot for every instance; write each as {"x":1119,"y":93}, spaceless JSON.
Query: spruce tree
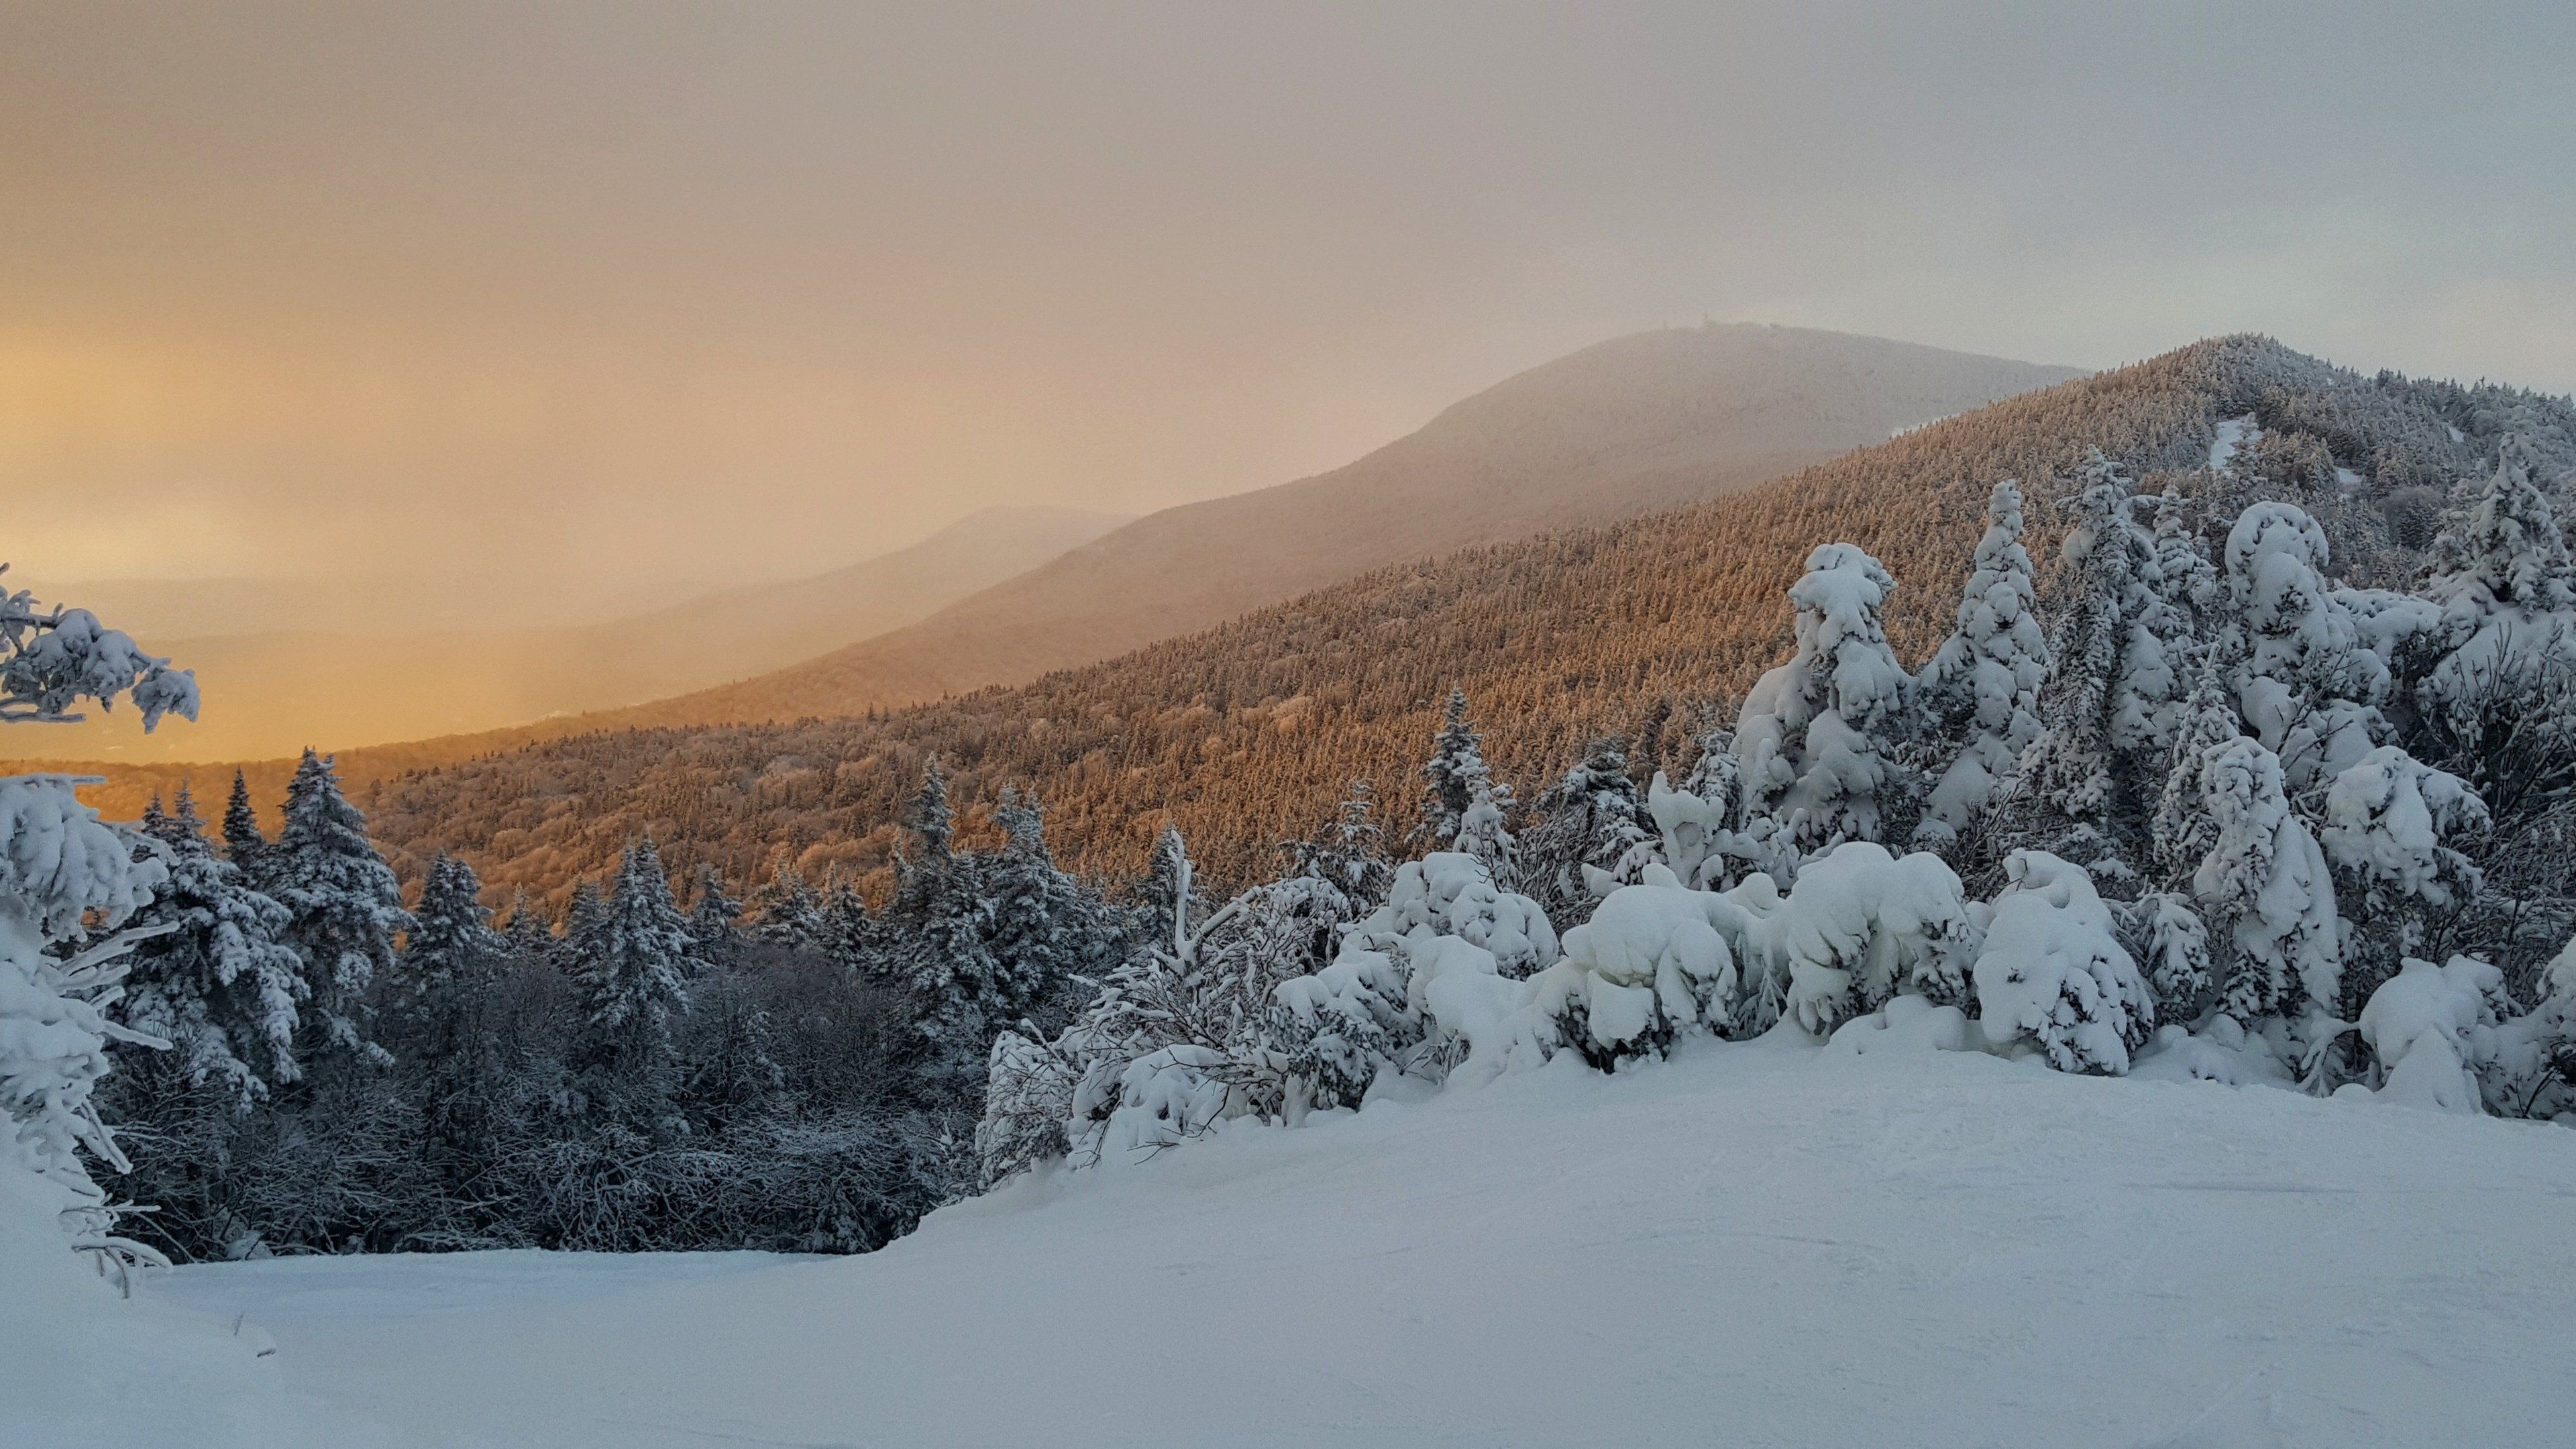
{"x":1819,"y":736}
{"x":218,"y":984}
{"x":1980,"y":693}
{"x":635,"y":966}
{"x":346,"y":909}
{"x":1049,"y":933}
{"x":713,"y":919}
{"x":1455,"y":777}
{"x":1593,"y":824}
{"x":529,"y":934}
{"x":451,"y":944}
{"x":935,"y":943}
{"x":243,"y":840}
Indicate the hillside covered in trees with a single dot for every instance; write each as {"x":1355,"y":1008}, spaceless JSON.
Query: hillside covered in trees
{"x":1246,"y":735}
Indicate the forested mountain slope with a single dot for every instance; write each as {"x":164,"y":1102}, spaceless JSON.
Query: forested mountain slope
{"x":1628,"y":427}
{"x":273,"y":692}
{"x":1248,"y":733}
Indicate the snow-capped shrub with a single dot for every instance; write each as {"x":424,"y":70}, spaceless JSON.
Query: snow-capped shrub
{"x":2432,"y":1027}
{"x":1981,"y":690}
{"x":2175,"y":953}
{"x":1906,"y":1026}
{"x":1165,"y":1098}
{"x":2052,"y":973}
{"x":1817,"y":734}
{"x":1648,"y":964}
{"x":1859,"y":927}
{"x":1373,"y":1007}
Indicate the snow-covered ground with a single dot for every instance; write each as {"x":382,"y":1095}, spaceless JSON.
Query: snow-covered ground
{"x":1758,"y":1244}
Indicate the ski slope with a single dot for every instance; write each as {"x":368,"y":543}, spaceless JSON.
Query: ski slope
{"x":1758,"y":1244}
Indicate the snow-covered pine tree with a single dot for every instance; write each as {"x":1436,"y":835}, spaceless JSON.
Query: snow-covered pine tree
{"x":529,"y":933}
{"x":1980,"y":692}
{"x":218,"y":984}
{"x":1484,"y":833}
{"x":1049,"y":933}
{"x":451,"y":943}
{"x":2181,"y":833}
{"x":2085,"y":786}
{"x":346,"y":907}
{"x":243,"y":839}
{"x":2501,"y":575}
{"x":714,"y":918}
{"x":636,"y":966}
{"x":934,"y":942}
{"x":786,"y":912}
{"x":588,"y":934}
{"x":2306,"y":684}
{"x":2266,"y":885}
{"x":2051,"y":973}
{"x":63,"y":876}
{"x":1593,"y":826}
{"x":2389,"y":828}
{"x":1819,"y":734}
{"x":1455,"y":777}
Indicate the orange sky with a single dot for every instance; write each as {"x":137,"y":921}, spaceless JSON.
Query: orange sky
{"x":530,"y":304}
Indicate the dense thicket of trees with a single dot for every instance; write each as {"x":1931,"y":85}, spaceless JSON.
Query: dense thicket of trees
{"x":633,"y":1076}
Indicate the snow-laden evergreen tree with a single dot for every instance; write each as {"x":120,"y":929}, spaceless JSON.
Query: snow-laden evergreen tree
{"x":935,"y":942}
{"x":1980,"y":692}
{"x":2106,"y":712}
{"x":2052,"y":975}
{"x":1819,"y":735}
{"x":1593,"y":831}
{"x":714,"y":919}
{"x":243,"y":840}
{"x":61,"y":873}
{"x":2494,"y":677}
{"x":63,"y":876}
{"x":788,"y":913}
{"x":588,"y":933}
{"x":2390,"y":824}
{"x":1446,"y":933}
{"x":2265,"y":883}
{"x":1157,"y":1056}
{"x":346,"y":909}
{"x":636,"y":964}
{"x":1697,"y":823}
{"x":529,"y":933}
{"x":1350,"y":854}
{"x":53,"y":658}
{"x":1484,"y":833}
{"x":2185,"y":580}
{"x":2182,"y":831}
{"x":1455,"y":777}
{"x":451,"y":942}
{"x":218,"y":983}
{"x":2306,"y":684}
{"x":1049,"y":933}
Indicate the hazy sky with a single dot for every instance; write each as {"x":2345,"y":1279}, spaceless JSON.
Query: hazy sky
{"x":540,"y":297}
